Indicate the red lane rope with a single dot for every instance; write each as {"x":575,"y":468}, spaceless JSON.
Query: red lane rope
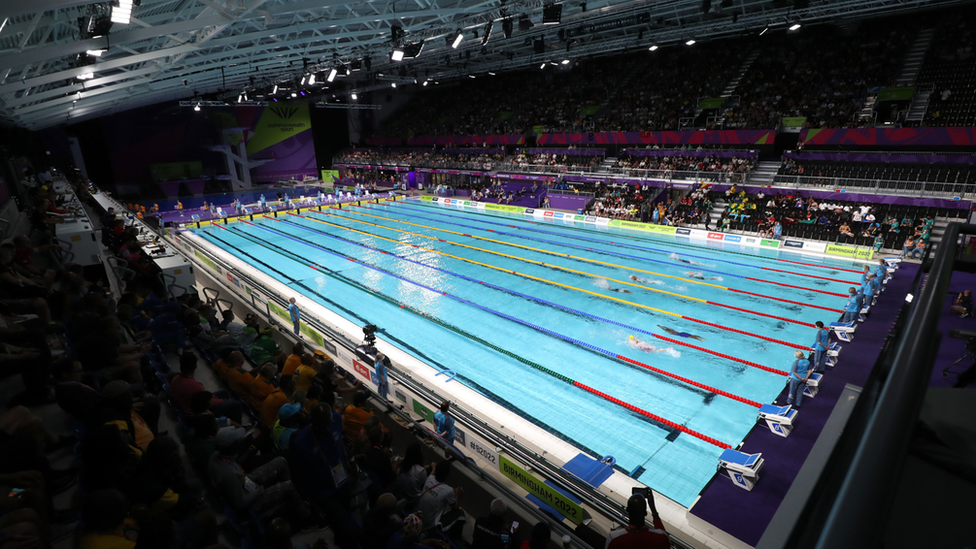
{"x":691,"y":382}
{"x":729,"y":357}
{"x":800,"y":322}
{"x":656,"y":418}
{"x":743,"y":332}
{"x":789,"y":301}
{"x":812,"y":276}
{"x":820,"y":266}
{"x":796,"y":287}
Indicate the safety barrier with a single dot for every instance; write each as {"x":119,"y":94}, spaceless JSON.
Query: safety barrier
{"x":584,"y":273}
{"x":629,"y":256}
{"x":404,"y":306}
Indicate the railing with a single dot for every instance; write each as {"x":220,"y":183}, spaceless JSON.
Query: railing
{"x":875,"y":186}
{"x":860,"y":510}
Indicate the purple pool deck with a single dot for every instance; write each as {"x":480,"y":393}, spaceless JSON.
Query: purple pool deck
{"x":745,"y":515}
{"x":174,"y":216}
{"x":951,"y":349}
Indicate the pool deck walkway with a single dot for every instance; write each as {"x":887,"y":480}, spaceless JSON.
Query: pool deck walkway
{"x":745,"y":515}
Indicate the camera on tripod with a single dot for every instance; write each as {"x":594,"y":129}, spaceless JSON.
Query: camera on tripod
{"x":968,"y":376}
{"x":369,"y":333}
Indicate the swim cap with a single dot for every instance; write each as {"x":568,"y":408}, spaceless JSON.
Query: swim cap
{"x":630,"y":337}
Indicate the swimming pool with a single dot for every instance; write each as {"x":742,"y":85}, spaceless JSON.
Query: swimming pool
{"x":526,"y":313}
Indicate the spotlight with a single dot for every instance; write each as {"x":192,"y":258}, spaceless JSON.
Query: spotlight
{"x":653,"y":48}
{"x":197,"y":107}
{"x":86,"y":75}
{"x":542,"y":66}
{"x":394,"y":84}
{"x":794,"y":27}
{"x":332,"y":74}
{"x":690,"y":42}
{"x":425,"y":83}
{"x":471,"y":76}
{"x":355,"y":97}
{"x":764,"y":31}
{"x":565,"y":61}
{"x":552,"y":14}
{"x":396,"y":32}
{"x":275,"y":90}
{"x":412,"y":51}
{"x":311,"y":79}
{"x":457,"y":40}
{"x":397,"y":55}
{"x":96,"y":53}
{"x":294,"y":94}
{"x":275,"y":99}
{"x":122,"y":13}
{"x":304,"y":78}
{"x":240,"y":98}
{"x":491,"y":73}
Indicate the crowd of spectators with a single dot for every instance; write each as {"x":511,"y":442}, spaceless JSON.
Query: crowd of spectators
{"x":712,"y":168}
{"x":547,"y":161}
{"x":950,"y":70}
{"x":474,"y":160}
{"x":882,"y":226}
{"x":620,"y":201}
{"x":273,"y":443}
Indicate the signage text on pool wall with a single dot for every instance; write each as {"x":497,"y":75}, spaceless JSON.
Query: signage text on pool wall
{"x":570,"y":509}
{"x":850,"y":251}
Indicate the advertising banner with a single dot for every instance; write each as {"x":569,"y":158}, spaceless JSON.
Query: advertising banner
{"x":708,"y":137}
{"x":850,"y":251}
{"x":890,"y":137}
{"x":547,"y":494}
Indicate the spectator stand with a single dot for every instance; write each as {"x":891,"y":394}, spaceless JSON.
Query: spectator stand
{"x":948,"y":73}
{"x":824,"y":225}
{"x":718,"y":166}
{"x":889,"y":173}
{"x":554,"y":160}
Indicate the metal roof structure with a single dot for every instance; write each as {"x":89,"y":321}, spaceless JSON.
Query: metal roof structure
{"x":184,"y":49}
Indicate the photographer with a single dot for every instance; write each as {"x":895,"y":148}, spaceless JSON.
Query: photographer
{"x":964,"y":304}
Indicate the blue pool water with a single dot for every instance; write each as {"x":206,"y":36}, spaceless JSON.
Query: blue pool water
{"x":676,"y":464}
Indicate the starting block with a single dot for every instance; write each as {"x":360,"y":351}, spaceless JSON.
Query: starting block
{"x":742,"y":468}
{"x":844,"y":332}
{"x":779,"y":419}
{"x":813,"y":385}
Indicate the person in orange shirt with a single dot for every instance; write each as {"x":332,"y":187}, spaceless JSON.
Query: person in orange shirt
{"x":238,"y":379}
{"x":306,"y":372}
{"x":277,"y":399}
{"x":294,"y":360}
{"x":261,"y":387}
{"x":354,"y":417}
{"x":221,"y":366}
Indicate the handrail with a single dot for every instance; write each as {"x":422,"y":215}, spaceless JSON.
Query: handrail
{"x":66,"y":252}
{"x":595,"y":499}
{"x":873,"y":186}
{"x":119,"y":267}
{"x":861,"y":507}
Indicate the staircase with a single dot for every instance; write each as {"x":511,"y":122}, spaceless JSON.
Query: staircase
{"x":764,"y":173}
{"x":734,"y":83}
{"x":701,"y":116}
{"x":920,"y":103}
{"x":915,"y":57}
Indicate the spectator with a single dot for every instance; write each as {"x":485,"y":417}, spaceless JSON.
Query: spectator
{"x":294,"y":360}
{"x":799,"y":374}
{"x":439,"y":504}
{"x":637,"y":533}
{"x":290,"y":419}
{"x":539,"y":538}
{"x":494,"y":531}
{"x":380,"y":522}
{"x":964,"y":304}
{"x":411,"y":534}
{"x":183,"y":386}
{"x":278,"y":398}
{"x":411,"y":475}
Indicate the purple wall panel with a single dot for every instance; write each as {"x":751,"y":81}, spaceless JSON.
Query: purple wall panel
{"x":890,"y":137}
{"x":710,"y":137}
{"x":902,"y":158}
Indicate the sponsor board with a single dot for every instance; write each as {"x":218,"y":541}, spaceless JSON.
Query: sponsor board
{"x":424,"y":412}
{"x":548,"y":214}
{"x":485,"y":451}
{"x":602,"y":221}
{"x":792,"y":244}
{"x":733,"y":238}
{"x":682,"y":231}
{"x":503,"y":208}
{"x":766,"y":243}
{"x":589,"y":219}
{"x":661,"y":229}
{"x":361,"y":369}
{"x":716,"y":236}
{"x":558,"y":215}
{"x":547,"y":494}
{"x":850,"y":251}
{"x":529,"y":210}
{"x":815,"y":246}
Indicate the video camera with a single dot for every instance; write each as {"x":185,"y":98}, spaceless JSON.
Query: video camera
{"x":369,"y":333}
{"x":969,"y":335}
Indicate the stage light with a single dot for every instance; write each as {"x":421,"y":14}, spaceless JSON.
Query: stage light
{"x":294,"y":94}
{"x":457,"y":40}
{"x":311,"y":79}
{"x":491,"y":73}
{"x":355,"y":97}
{"x":275,"y":90}
{"x":412,"y":51}
{"x":690,"y":42}
{"x":552,"y":14}
{"x":86,"y":75}
{"x":304,"y":78}
{"x":240,"y":98}
{"x":471,"y":76}
{"x":197,"y":107}
{"x":332,"y":75}
{"x":122,"y":13}
{"x":275,"y":99}
{"x":565,"y":61}
{"x":653,"y":48}
{"x":397,"y":55}
{"x":795,"y":27}
{"x":425,"y":82}
{"x":542,"y":66}
{"x":764,"y":31}
{"x":394,"y":84}
{"x":97,"y":53}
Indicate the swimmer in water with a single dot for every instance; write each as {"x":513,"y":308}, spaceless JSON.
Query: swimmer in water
{"x":680,"y":334}
{"x":674,"y":257}
{"x":642,"y":345}
{"x":641,"y":280}
{"x":602,"y":283}
{"x":701,"y":276}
